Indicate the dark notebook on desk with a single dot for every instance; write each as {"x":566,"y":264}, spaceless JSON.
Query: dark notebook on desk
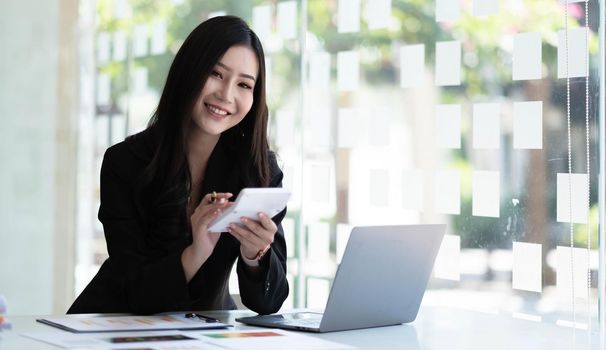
{"x":380,"y":281}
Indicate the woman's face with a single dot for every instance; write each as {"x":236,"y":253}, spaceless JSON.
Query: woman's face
{"x":227,"y":95}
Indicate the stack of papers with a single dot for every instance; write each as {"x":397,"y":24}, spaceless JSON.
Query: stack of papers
{"x":190,"y":340}
{"x":131,"y":323}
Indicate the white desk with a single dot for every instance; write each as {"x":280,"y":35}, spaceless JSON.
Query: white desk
{"x":435,"y":328}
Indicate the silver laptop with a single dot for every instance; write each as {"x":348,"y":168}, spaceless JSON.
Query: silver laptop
{"x":380,"y":281}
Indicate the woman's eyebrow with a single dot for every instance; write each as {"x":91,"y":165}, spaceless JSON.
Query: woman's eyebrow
{"x":241,"y":74}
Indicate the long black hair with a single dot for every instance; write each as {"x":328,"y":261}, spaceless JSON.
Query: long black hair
{"x":192,"y":66}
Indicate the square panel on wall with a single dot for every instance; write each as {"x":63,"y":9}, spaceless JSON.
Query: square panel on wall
{"x":348,"y":70}
{"x":348,"y":16}
{"x":528,"y":125}
{"x":317,"y":292}
{"x":448,"y":192}
{"x":527,"y":58}
{"x":447,"y":265}
{"x":379,"y":187}
{"x":318,"y":184}
{"x":485,"y":7}
{"x":486,"y":125}
{"x":527,"y":267}
{"x":119,"y":45}
{"x":103,"y":47}
{"x":348,"y":128}
{"x":448,"y":63}
{"x":379,"y":127}
{"x":448,"y":10}
{"x":261,"y":21}
{"x":103,"y":89}
{"x":140,"y":40}
{"x":319,"y":128}
{"x":319,"y":70}
{"x":572,"y":198}
{"x":288,"y":225}
{"x":412,"y":189}
{"x":318,"y":241}
{"x":158,"y":37}
{"x":412,"y":65}
{"x":448,"y":126}
{"x":378,"y":14}
{"x":287,"y":19}
{"x":285,"y":125}
{"x":572,"y":274}
{"x":486,"y":193}
{"x":572,"y":53}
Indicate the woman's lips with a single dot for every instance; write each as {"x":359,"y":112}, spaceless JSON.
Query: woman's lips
{"x":216,"y":111}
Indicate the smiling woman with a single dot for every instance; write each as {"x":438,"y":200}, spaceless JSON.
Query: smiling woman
{"x":208,"y":135}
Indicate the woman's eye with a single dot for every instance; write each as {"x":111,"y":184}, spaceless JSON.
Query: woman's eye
{"x":246,"y":86}
{"x":215,"y":74}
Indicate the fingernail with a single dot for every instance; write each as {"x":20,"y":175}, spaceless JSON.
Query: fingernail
{"x":222,"y":200}
{"x":243,"y":219}
{"x":262,"y":216}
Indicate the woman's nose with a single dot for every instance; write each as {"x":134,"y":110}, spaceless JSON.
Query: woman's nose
{"x":225,"y":92}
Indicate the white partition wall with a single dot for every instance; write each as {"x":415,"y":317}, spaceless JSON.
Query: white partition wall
{"x":37,"y":150}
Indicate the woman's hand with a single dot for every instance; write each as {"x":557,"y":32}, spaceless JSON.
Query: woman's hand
{"x":254,"y":236}
{"x":204,"y":242}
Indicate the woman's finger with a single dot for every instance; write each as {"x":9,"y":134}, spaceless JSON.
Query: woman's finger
{"x":258,"y":229}
{"x":252,"y":225}
{"x":205,"y":215}
{"x":210,"y":216}
{"x":208,"y":198}
{"x":221,"y":203}
{"x":267,"y":223}
{"x":247,"y":237}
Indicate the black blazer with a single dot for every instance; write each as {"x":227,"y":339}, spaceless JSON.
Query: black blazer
{"x":143,"y":273}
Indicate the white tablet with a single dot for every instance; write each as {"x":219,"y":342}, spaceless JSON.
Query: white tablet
{"x":250,"y":202}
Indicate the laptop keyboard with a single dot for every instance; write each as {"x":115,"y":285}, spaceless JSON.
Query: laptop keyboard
{"x":303,"y":322}
{"x":304,"y":319}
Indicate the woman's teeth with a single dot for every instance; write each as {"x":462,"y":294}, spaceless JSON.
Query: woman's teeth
{"x":217,"y":110}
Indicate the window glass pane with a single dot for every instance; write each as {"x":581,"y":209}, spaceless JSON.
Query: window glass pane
{"x":403,"y":112}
